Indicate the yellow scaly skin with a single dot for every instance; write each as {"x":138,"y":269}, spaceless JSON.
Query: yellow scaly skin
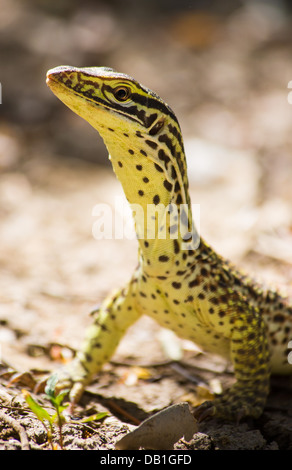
{"x":180,"y":281}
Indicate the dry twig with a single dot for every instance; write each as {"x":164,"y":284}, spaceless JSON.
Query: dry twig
{"x":18,"y":428}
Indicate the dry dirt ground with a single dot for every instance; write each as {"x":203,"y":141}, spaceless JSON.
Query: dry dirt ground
{"x":227,"y":81}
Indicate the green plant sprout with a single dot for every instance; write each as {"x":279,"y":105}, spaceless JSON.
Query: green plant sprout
{"x":43,"y":414}
{"x":56,"y":401}
{"x":58,"y":416}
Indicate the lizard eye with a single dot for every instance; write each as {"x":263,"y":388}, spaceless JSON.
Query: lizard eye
{"x":122,"y":93}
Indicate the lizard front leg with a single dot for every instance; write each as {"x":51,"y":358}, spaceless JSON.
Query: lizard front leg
{"x":250,"y":357}
{"x":117,"y":312}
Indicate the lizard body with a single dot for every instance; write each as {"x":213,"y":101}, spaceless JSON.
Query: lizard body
{"x":180,"y":280}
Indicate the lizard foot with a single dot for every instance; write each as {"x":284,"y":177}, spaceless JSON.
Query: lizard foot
{"x":70,"y":377}
{"x":65,"y":380}
{"x":232,"y":406}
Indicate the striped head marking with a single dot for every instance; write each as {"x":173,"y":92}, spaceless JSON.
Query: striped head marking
{"x":91,"y":89}
{"x":140,"y":130}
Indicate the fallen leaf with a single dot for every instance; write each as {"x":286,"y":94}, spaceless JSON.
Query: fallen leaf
{"x":162,"y":430}
{"x":24,"y":378}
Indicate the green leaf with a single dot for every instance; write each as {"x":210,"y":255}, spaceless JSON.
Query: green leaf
{"x":37,"y":409}
{"x":60,"y":397}
{"x":51,"y":384}
{"x":94,"y":417}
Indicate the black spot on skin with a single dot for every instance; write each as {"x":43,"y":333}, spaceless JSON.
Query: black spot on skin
{"x":179,"y":199}
{"x":139,"y":167}
{"x":173,"y":172}
{"x":180,"y":273}
{"x":176,"y":285}
{"x":165,"y":139}
{"x":156,"y":199}
{"x":151,"y":144}
{"x":145,"y":179}
{"x":143,"y":153}
{"x":120,"y":164}
{"x":163,"y":258}
{"x":194,"y":283}
{"x":176,"y":187}
{"x":110,"y":129}
{"x":176,"y":246}
{"x":162,"y":156}
{"x":158,"y":168}
{"x":131,"y":151}
{"x":175,"y":132}
{"x":167,"y":185}
{"x":140,"y":192}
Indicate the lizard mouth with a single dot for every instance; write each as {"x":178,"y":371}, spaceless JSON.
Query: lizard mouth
{"x":61,"y":82}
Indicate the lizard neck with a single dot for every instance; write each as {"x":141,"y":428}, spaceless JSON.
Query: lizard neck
{"x":154,"y":179}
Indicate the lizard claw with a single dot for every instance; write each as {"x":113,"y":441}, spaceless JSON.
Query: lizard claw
{"x":206,"y":410}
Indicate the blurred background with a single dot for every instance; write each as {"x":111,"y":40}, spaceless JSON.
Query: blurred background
{"x":224,"y":68}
